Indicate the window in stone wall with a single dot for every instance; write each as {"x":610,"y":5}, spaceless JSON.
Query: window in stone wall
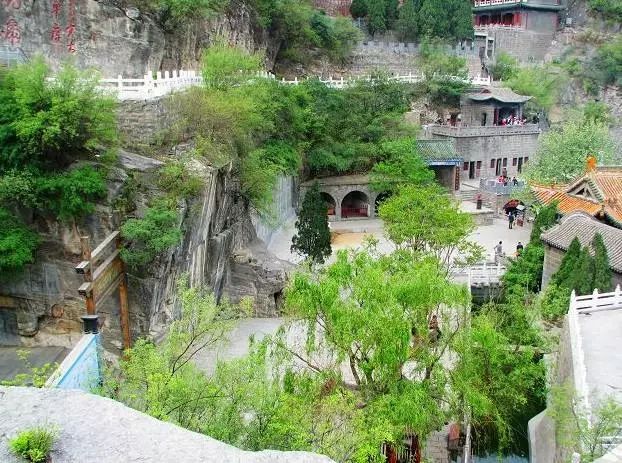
{"x":492,"y":163}
{"x":479,"y":165}
{"x":505,"y":162}
{"x":514,"y":161}
{"x":465,"y":166}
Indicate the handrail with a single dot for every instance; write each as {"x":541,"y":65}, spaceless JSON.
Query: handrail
{"x":159,"y":84}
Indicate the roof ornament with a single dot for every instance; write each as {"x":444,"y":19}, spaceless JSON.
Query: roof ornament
{"x":590,"y":164}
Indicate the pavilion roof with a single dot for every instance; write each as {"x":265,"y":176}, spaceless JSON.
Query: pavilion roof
{"x":438,"y":152}
{"x":503,"y":95}
{"x":584,"y":227}
{"x":597,"y":191}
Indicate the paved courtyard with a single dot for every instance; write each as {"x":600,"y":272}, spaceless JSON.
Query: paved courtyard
{"x":351,"y":233}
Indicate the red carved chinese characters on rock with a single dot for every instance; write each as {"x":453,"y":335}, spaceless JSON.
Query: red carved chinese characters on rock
{"x":11,"y":32}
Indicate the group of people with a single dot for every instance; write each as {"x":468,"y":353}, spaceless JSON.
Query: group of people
{"x":499,"y":251}
{"x":504,"y":179}
{"x":513,"y":120}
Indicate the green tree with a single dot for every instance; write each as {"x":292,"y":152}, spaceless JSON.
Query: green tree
{"x":224,"y":66}
{"x":358,"y":8}
{"x":391,"y":12}
{"x":504,"y":67}
{"x":562,"y":153}
{"x":312,"y":238}
{"x":546,"y":217}
{"x":460,"y":19}
{"x":434,"y":21}
{"x":446,"y":76}
{"x":539,"y":82}
{"x":17,"y":243}
{"x":608,"y":61}
{"x":569,"y":263}
{"x":376,"y":17}
{"x":157,"y":231}
{"x":525,"y":272}
{"x":47,"y":123}
{"x":580,"y":280}
{"x":407,"y":24}
{"x":609,"y":9}
{"x":402,"y":166}
{"x":425,"y":219}
{"x":602,"y":271}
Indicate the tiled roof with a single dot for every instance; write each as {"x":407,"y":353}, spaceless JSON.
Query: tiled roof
{"x":584,"y":227}
{"x":438,"y":150}
{"x":504,"y":95}
{"x":604,"y":182}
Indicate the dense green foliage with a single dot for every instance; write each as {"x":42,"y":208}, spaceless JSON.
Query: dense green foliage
{"x":312,"y":238}
{"x":417,"y":19}
{"x":148,"y":236}
{"x":608,"y":9}
{"x":608,"y":61}
{"x":446,"y":76}
{"x":49,"y":123}
{"x":425,"y":219}
{"x":267,"y":129}
{"x":46,"y":126}
{"x":401,"y":165}
{"x":17,"y":243}
{"x":542,"y":83}
{"x":504,"y":67}
{"x":546,"y":217}
{"x":602,"y":276}
{"x":34,"y":444}
{"x":562,"y":152}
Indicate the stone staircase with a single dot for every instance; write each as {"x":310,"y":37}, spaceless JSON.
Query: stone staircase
{"x":468,"y":193}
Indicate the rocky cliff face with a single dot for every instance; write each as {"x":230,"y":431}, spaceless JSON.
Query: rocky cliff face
{"x":119,"y":40}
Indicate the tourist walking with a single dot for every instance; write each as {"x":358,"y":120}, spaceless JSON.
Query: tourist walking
{"x":498,"y":252}
{"x":511,"y":219}
{"x":519,"y":249}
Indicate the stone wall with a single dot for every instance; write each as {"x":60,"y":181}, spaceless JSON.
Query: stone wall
{"x":119,"y":40}
{"x":485,"y":148}
{"x":523,"y":44}
{"x":94,"y":429}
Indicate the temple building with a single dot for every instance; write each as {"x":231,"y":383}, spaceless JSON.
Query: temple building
{"x":524,"y":29}
{"x":490,"y":133}
{"x":597,"y":193}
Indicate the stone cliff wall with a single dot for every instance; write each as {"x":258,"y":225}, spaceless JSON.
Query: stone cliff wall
{"x":119,"y":40}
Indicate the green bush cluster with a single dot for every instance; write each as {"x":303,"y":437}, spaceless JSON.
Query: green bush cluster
{"x":416,"y":19}
{"x":157,"y":231}
{"x":608,"y":9}
{"x":34,"y":444}
{"x":47,"y":124}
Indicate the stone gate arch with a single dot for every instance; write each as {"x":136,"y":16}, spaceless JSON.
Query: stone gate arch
{"x":331,"y":204}
{"x":355,"y":204}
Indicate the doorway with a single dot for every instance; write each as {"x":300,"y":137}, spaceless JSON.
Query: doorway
{"x":520,"y":165}
{"x":498,"y":169}
{"x":472,"y":169}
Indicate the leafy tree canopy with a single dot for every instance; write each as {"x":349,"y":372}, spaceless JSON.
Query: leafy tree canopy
{"x":562,"y":152}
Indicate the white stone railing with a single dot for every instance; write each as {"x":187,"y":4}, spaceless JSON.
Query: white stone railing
{"x":595,"y":302}
{"x":160,"y":84}
{"x":494,"y":2}
{"x":481,"y":274}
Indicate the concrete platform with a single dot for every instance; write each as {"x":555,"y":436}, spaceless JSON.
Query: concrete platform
{"x":11,"y":365}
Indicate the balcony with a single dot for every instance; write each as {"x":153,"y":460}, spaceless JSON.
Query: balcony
{"x":477,"y":3}
{"x":483,"y":131}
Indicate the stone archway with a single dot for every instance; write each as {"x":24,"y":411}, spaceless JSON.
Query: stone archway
{"x":355,"y":204}
{"x":379,"y":199}
{"x":331,"y":204}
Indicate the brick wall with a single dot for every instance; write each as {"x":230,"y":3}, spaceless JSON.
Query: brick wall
{"x":527,"y":45}
{"x":552,"y":260}
{"x":484,"y":148}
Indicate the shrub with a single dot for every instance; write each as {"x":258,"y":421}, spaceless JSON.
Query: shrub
{"x":554,"y":302}
{"x":176,"y":179}
{"x":224,"y":66}
{"x":609,"y":9}
{"x":17,"y":243}
{"x":34,"y":444}
{"x":154,"y":233}
{"x":71,"y":195}
{"x":48,"y":123}
{"x":608,"y":62}
{"x":504,"y":67}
